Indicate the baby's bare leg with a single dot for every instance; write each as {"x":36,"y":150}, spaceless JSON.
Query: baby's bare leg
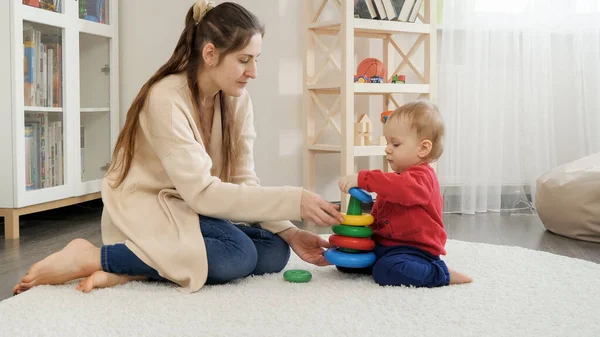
{"x":458,"y":278}
{"x":102,"y":279}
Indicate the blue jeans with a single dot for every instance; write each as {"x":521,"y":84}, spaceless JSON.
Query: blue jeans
{"x":233,"y":251}
{"x":407,"y":266}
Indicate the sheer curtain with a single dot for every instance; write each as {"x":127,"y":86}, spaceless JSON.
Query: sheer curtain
{"x":519,"y":87}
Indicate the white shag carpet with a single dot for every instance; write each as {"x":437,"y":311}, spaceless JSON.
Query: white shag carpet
{"x":516,"y":292}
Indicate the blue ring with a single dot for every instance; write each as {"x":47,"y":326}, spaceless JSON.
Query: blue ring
{"x":359,"y":260}
{"x":361,"y":195}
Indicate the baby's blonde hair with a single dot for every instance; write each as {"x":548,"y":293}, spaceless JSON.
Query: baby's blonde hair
{"x":427,"y":121}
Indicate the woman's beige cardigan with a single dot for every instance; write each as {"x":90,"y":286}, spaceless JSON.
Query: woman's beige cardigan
{"x":173,"y":178}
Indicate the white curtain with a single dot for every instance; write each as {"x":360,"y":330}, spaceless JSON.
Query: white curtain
{"x":519,"y":88}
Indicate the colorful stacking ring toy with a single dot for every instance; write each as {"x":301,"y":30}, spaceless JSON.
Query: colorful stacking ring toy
{"x":349,"y":260}
{"x":353,"y":231}
{"x":352,"y":243}
{"x":352,"y":240}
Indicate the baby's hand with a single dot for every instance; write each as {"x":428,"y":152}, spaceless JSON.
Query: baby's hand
{"x":347,"y":182}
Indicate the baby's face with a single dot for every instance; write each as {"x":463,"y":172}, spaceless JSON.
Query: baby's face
{"x":403,"y":145}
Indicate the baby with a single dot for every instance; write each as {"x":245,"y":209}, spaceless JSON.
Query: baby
{"x":408,"y":227}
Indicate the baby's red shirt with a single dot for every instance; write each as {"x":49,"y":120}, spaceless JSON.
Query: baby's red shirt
{"x":408,"y":208}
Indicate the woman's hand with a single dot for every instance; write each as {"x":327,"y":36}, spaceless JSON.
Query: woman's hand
{"x":347,"y":182}
{"x":316,"y":209}
{"x":308,"y":246}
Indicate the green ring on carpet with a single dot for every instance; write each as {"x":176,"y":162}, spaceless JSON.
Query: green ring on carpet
{"x":297,"y":276}
{"x":353,"y":231}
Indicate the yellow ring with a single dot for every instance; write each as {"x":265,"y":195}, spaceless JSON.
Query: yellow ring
{"x":357,"y":220}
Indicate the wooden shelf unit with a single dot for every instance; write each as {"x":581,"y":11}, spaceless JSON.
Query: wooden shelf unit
{"x":347,"y":28}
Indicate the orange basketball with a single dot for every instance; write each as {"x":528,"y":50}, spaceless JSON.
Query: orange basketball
{"x":371,"y":67}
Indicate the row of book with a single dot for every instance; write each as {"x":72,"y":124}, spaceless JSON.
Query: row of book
{"x":42,"y":68}
{"x":44,"y":160}
{"x":396,"y":10}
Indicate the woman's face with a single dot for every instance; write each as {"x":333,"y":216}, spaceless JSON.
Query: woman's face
{"x":232,"y":75}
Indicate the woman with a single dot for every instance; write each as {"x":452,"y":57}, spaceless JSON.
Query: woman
{"x":185,"y":150}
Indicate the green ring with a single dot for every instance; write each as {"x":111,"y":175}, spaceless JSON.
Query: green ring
{"x":349,"y":250}
{"x":353,"y":231}
{"x":297,"y":276}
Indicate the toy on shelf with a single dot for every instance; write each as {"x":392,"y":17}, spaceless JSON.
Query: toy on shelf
{"x":362,"y":131}
{"x":370,"y":70}
{"x":361,"y":79}
{"x":399,"y":79}
{"x":385,"y":115}
{"x":352,"y":239}
{"x":383,"y":118}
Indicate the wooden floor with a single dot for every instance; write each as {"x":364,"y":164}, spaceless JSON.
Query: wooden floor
{"x":47,"y":232}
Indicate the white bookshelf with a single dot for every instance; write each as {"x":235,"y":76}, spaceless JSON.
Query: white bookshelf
{"x":335,"y":95}
{"x":74,"y":88}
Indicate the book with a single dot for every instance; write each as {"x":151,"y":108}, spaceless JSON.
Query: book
{"x":364,"y":9}
{"x":380,"y":9}
{"x":415,"y":11}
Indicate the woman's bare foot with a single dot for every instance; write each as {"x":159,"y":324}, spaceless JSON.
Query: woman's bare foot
{"x":78,"y":259}
{"x":459,"y":278}
{"x":102,"y":279}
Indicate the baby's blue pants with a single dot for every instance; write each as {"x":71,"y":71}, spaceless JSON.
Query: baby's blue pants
{"x":405,"y":265}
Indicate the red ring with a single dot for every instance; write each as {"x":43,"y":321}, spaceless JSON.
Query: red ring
{"x":351,"y":242}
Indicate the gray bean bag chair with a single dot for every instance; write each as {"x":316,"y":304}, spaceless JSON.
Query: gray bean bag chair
{"x":568,"y":199}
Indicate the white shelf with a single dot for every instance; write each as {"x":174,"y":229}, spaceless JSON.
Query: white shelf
{"x":95,"y":28}
{"x":371,"y":28}
{"x":325,"y":88}
{"x":43,"y":16}
{"x":369,"y":151}
{"x":389,"y":27}
{"x":390,"y":88}
{"x":94,"y":110}
{"x":325,"y":148}
{"x":42,"y":109}
{"x":359,"y":151}
{"x":373,"y":88}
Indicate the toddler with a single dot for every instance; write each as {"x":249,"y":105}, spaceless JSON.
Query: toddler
{"x":408,"y":227}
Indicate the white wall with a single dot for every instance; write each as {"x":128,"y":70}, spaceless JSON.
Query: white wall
{"x":148,"y":32}
{"x":147,"y":41}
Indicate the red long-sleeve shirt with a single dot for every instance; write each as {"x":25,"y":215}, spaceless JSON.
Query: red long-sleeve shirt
{"x":408,"y":209}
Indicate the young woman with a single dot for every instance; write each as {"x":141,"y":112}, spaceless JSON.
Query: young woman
{"x":182,"y":164}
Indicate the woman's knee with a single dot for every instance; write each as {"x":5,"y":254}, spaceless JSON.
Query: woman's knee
{"x":235,"y":258}
{"x":273,"y":253}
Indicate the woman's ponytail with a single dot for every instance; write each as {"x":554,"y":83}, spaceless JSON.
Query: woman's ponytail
{"x":201,"y":7}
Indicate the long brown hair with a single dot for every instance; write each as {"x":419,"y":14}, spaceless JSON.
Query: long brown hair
{"x":229,"y":27}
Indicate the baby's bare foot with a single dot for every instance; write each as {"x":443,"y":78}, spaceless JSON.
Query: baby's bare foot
{"x":102,"y":279}
{"x":78,"y":259}
{"x":459,"y":278}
